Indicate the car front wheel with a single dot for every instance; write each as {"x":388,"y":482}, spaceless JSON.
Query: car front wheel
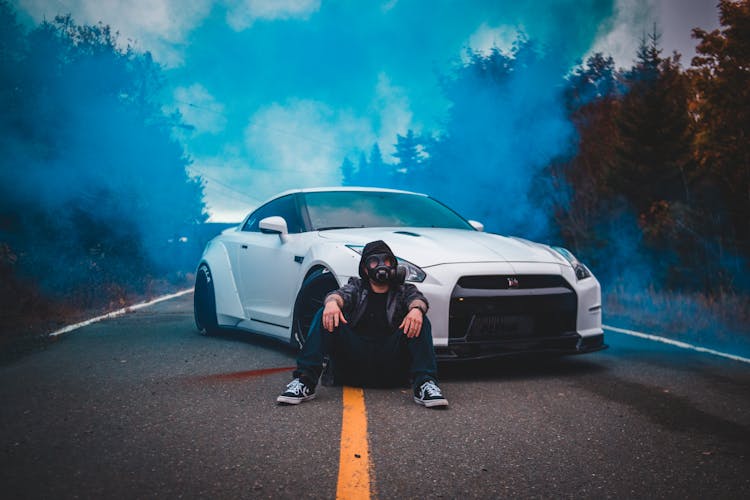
{"x":310,"y":299}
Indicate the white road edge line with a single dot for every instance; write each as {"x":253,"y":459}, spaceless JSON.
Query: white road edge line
{"x":119,"y":312}
{"x":683,"y":345}
{"x":655,"y":338}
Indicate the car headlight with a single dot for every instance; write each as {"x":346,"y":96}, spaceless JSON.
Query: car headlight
{"x":414,"y":273}
{"x":582,"y":272}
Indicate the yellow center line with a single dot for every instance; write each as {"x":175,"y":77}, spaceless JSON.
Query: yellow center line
{"x":354,"y":461}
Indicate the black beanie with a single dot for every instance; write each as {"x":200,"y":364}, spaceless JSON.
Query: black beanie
{"x":373,"y":248}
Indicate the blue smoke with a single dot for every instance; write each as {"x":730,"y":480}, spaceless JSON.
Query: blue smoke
{"x":507,"y":122}
{"x":93,"y":188}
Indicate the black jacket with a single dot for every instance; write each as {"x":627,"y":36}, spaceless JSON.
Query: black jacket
{"x":400,"y":299}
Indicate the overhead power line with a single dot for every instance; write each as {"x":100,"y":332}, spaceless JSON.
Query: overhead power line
{"x":197,"y":106}
{"x":214,"y":180}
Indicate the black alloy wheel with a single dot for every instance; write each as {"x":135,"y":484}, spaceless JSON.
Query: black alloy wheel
{"x":204,"y":302}
{"x":309,"y":300}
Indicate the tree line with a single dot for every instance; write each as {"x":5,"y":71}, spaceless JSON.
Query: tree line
{"x":651,"y":178}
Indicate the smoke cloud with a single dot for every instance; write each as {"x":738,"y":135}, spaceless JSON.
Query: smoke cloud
{"x":93,"y":188}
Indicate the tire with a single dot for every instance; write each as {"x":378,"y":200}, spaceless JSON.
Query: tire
{"x":309,"y":300}
{"x":204,"y":302}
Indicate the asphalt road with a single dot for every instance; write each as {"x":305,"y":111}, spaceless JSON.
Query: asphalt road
{"x":143,"y":406}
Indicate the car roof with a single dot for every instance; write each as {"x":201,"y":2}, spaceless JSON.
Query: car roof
{"x":338,"y":188}
{"x":344,"y":188}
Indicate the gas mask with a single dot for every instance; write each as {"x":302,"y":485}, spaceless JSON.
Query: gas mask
{"x":380,"y":267}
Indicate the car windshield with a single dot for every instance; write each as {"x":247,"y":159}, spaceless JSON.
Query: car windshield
{"x":345,"y":209}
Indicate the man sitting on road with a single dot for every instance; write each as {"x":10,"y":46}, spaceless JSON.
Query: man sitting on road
{"x":385,"y":337}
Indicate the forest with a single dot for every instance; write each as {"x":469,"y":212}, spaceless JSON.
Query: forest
{"x":643,"y":172}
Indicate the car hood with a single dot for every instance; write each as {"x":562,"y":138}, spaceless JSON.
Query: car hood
{"x":427,"y":247}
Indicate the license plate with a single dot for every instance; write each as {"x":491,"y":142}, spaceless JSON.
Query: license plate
{"x":502,"y":326}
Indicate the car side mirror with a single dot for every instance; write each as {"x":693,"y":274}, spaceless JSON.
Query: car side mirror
{"x":477,"y":225}
{"x":274,"y":225}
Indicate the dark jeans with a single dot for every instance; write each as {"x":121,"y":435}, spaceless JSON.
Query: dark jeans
{"x":367,"y":361}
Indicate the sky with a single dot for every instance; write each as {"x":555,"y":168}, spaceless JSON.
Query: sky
{"x":279,"y":92}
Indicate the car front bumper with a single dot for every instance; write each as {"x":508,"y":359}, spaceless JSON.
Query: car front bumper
{"x":476,"y":313}
{"x":565,"y":344}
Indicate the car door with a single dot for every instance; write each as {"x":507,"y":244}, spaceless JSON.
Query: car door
{"x":269,"y":266}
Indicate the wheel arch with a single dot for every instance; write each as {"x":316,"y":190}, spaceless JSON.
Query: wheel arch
{"x":204,"y":301}
{"x":318,"y":266}
{"x":216,"y":257}
{"x":340,"y":261}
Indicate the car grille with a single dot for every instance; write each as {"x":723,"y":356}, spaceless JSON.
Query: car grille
{"x":500,"y":282}
{"x":502,"y":308}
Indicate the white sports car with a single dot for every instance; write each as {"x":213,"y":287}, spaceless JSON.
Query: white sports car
{"x":489,"y":294}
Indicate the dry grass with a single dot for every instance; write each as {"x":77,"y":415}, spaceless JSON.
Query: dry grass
{"x":716,"y":319}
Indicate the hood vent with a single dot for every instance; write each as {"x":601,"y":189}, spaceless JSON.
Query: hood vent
{"x":407,"y":233}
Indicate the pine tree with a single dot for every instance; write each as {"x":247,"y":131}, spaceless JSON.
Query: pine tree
{"x":653,"y":151}
{"x":380,"y":174}
{"x":407,"y":152}
{"x":363,"y":176}
{"x":347,"y":172}
{"x":580,"y":183}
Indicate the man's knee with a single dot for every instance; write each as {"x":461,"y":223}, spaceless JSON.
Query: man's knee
{"x":317,"y":321}
{"x":425,"y":332}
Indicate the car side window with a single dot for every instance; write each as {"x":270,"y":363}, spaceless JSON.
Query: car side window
{"x":285,"y":207}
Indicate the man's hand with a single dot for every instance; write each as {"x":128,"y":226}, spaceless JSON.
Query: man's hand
{"x":332,"y":316}
{"x":412,"y":323}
